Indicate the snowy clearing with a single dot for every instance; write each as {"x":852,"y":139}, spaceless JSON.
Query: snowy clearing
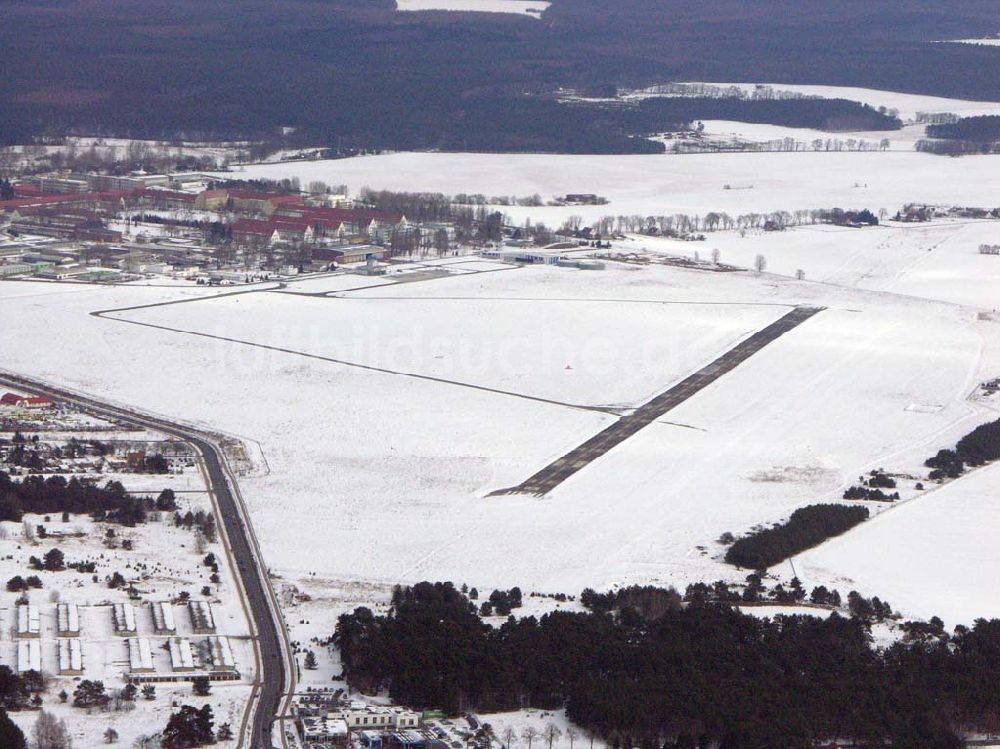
{"x":939,"y":260}
{"x":944,"y":545}
{"x":661,"y":184}
{"x":533,"y":8}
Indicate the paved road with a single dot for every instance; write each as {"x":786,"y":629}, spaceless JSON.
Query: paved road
{"x":274,"y":661}
{"x":558,"y":471}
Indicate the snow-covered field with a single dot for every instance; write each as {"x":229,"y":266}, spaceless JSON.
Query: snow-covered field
{"x":985,"y":42}
{"x":564,"y":350}
{"x":520,"y":7}
{"x":903,"y":139}
{"x":939,"y":260}
{"x":381,"y":477}
{"x":941,"y":548}
{"x":663,"y":184}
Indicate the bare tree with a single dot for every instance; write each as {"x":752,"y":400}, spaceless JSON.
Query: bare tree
{"x":509,"y":736}
{"x":529,"y":734}
{"x":572,"y":733}
{"x":552,"y":734}
{"x":50,"y":732}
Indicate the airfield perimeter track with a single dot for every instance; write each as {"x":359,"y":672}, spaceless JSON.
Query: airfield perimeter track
{"x":561,"y":469}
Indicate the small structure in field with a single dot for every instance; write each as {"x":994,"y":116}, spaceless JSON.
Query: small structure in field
{"x":70,"y":657}
{"x":29,"y":625}
{"x":68,"y":620}
{"x":181,"y":657}
{"x":29,"y":656}
{"x":202,"y":621}
{"x":140,"y":656}
{"x":163,"y":618}
{"x":123,"y":617}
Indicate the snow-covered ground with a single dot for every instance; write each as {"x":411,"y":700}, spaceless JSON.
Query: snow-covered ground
{"x":903,"y":139}
{"x":993,"y":42}
{"x":933,"y":556}
{"x":939,"y":260}
{"x":664,"y":184}
{"x":570,"y":350}
{"x":520,"y":7}
{"x":380,"y":477}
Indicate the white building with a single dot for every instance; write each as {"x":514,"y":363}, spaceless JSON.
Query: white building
{"x":29,"y":624}
{"x":202,"y":621}
{"x":68,"y":618}
{"x":523,"y":255}
{"x":140,"y":656}
{"x":361,"y":716}
{"x":332,"y":728}
{"x":29,"y":656}
{"x":70,"y":657}
{"x":163,"y":618}
{"x":181,"y":657}
{"x":123,"y":616}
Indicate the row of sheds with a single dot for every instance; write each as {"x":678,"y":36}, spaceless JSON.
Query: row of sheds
{"x":123,"y":618}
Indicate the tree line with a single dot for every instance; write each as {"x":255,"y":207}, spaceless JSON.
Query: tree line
{"x":985,"y":128}
{"x":701,"y":674}
{"x":807,"y":527}
{"x":978,"y":447}
{"x":110,"y":503}
{"x":654,"y":114}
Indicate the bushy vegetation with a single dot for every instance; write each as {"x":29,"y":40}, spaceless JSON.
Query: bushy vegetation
{"x":806,"y":527}
{"x":16,"y":690}
{"x":700,"y":674}
{"x":980,"y":446}
{"x":189,"y":727}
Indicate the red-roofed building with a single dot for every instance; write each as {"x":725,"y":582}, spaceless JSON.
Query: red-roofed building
{"x":34,"y":402}
{"x":250,"y":232}
{"x":277,"y":202}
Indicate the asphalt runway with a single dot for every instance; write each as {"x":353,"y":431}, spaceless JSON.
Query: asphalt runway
{"x":579,"y":457}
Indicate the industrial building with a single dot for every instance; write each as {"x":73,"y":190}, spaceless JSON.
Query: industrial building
{"x":363,"y":716}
